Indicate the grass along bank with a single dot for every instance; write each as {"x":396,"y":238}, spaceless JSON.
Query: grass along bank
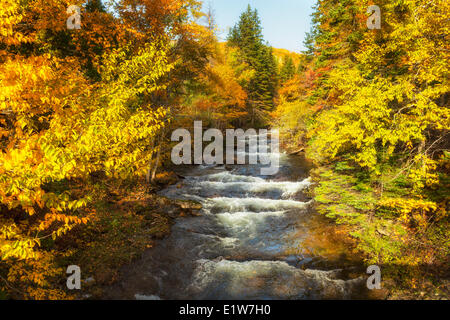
{"x":407,"y":236}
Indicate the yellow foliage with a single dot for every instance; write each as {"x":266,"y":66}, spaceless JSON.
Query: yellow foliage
{"x":417,"y":213}
{"x":57,"y":125}
{"x":30,"y":279}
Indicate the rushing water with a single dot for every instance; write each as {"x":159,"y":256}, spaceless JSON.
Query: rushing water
{"x":250,"y":242}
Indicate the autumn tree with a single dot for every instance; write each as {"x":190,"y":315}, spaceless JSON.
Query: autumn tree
{"x":246,"y":35}
{"x":74,"y":102}
{"x":376,"y":106}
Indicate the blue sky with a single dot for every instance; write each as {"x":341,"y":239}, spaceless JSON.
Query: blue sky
{"x":284,"y":22}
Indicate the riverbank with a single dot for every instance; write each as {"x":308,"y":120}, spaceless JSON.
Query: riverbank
{"x":254,"y":239}
{"x":128,"y":227}
{"x":129,"y":218}
{"x":414,"y":265}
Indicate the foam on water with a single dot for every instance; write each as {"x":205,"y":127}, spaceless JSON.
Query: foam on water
{"x":247,"y":223}
{"x":247,"y":218}
{"x":229,"y":177}
{"x":255,"y":279}
{"x":216,"y":205}
{"x":261,"y":233}
{"x":232,"y":185}
{"x":286,"y":189}
{"x":255,"y":224}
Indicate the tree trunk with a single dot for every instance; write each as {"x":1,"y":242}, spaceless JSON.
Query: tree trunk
{"x":149,"y":170}
{"x":151,"y":174}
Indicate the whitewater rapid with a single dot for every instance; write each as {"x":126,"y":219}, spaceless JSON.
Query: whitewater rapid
{"x":244,"y":245}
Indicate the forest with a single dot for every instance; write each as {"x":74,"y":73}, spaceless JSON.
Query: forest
{"x":86,"y":116}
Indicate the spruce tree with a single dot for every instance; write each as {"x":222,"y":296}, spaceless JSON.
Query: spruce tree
{"x":287,"y":70}
{"x":95,"y":5}
{"x":247,"y":36}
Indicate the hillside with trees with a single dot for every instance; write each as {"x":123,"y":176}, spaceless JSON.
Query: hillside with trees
{"x":86,"y":117}
{"x":370,"y":107}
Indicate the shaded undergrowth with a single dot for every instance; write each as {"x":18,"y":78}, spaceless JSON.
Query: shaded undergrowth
{"x":406,"y":235}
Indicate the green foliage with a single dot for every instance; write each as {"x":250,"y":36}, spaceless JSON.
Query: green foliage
{"x":375,"y":119}
{"x":247,"y":36}
{"x":287,"y":71}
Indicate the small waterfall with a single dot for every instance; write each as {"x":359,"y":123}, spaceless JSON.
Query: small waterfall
{"x":241,"y":246}
{"x":266,"y":280}
{"x":217,"y":205}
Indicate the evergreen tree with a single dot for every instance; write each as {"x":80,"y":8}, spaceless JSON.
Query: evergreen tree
{"x":287,"y":71}
{"x":247,"y":36}
{"x":95,"y":5}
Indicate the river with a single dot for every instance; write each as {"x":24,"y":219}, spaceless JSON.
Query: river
{"x":256,"y":238}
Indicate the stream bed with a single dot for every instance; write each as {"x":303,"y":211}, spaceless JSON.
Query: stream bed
{"x":256,"y":238}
